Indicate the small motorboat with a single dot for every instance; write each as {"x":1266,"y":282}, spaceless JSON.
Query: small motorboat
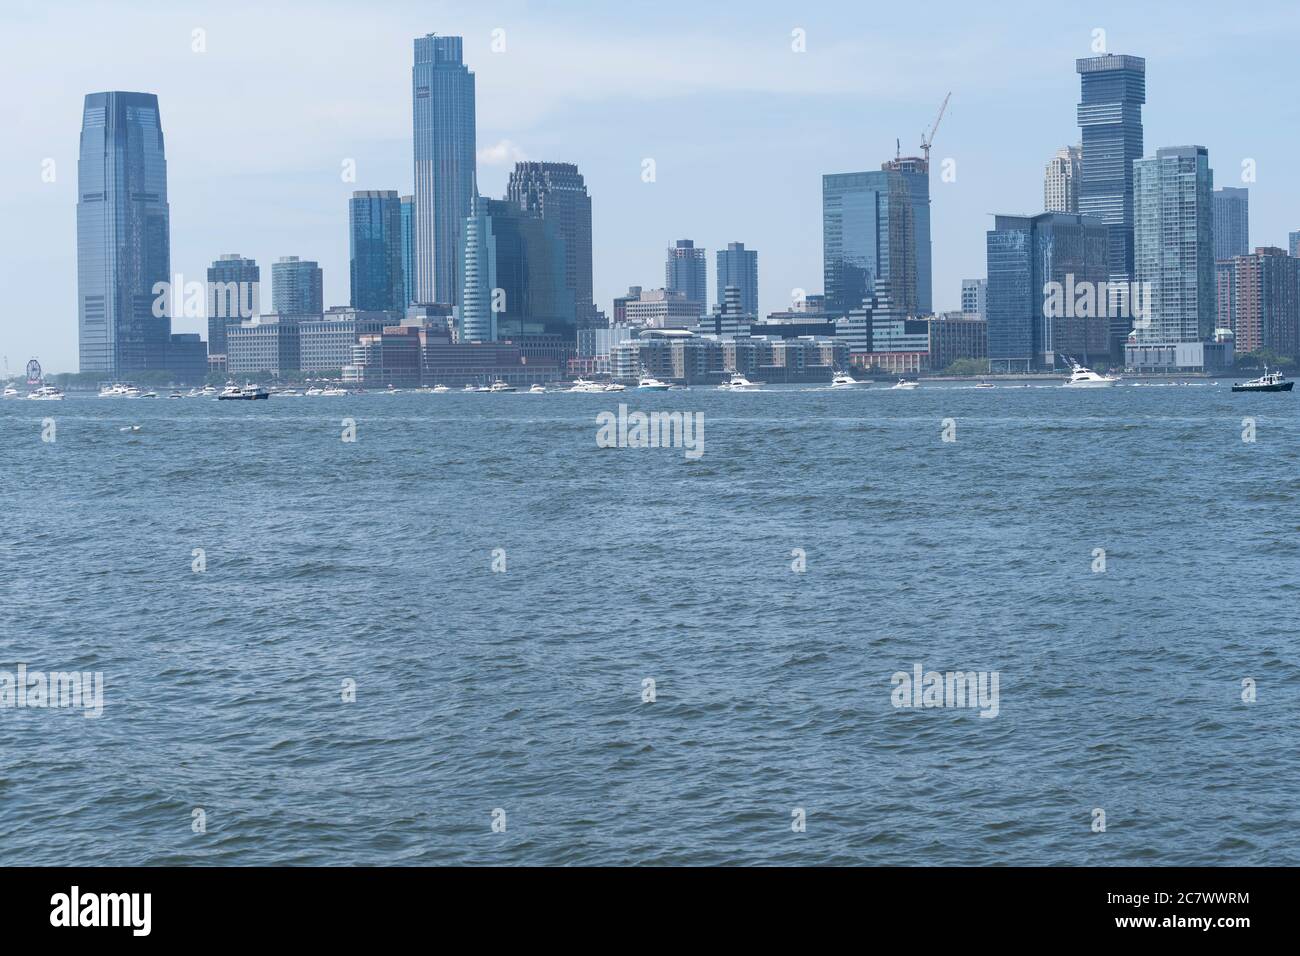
{"x":614,"y":387}
{"x":1268,"y":382}
{"x":985,"y":385}
{"x":906,"y":383}
{"x":537,"y":390}
{"x":175,"y":395}
{"x":10,"y":392}
{"x":501,"y":386}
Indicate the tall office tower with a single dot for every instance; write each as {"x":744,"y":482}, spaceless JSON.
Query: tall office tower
{"x":1293,"y":239}
{"x":513,"y":276}
{"x":1231,"y":222}
{"x":234,"y":293}
{"x":687,"y":271}
{"x":375,"y":243}
{"x":1110,"y":117}
{"x":556,"y":193}
{"x":1174,"y":258}
{"x":1061,"y":180}
{"x":296,"y":287}
{"x":1259,"y":300}
{"x":123,"y":235}
{"x":1029,"y":324}
{"x":408,"y":250}
{"x":738,"y":266}
{"x":974,"y":296}
{"x":442,"y":88}
{"x":876,"y":226}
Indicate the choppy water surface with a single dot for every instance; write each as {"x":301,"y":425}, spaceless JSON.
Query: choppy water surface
{"x":476,"y":690}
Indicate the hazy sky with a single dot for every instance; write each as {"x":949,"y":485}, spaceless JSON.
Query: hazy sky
{"x":740,"y":126}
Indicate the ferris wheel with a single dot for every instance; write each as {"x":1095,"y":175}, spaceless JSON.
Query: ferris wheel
{"x":33,"y":372}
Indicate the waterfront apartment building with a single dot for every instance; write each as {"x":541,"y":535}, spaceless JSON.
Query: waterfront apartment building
{"x":1112,"y":91}
{"x":123,"y":235}
{"x":974,"y":296}
{"x":686,"y":273}
{"x":234,"y":294}
{"x":442,"y":92}
{"x":876,"y":226}
{"x":679,"y":355}
{"x":1029,"y":257}
{"x":1061,"y":180}
{"x":1258,"y":299}
{"x":556,"y":193}
{"x":738,"y":267}
{"x":375,"y":266}
{"x":1231,"y":222}
{"x":513,"y":279}
{"x":296,"y":287}
{"x":1174,"y":257}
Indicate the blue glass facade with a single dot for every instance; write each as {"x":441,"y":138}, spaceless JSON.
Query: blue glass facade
{"x":1025,"y":254}
{"x":687,"y":271}
{"x":442,"y":89}
{"x":513,"y":276}
{"x":408,"y":250}
{"x":876,"y":226}
{"x":1113,"y":89}
{"x":1175,"y":245}
{"x":234,"y":285}
{"x":738,"y":267}
{"x":296,"y":287}
{"x":1231,"y":222}
{"x":375,"y":243}
{"x":123,"y":235}
{"x":558,"y":194}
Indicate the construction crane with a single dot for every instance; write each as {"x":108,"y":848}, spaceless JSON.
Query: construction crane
{"x":927,"y":140}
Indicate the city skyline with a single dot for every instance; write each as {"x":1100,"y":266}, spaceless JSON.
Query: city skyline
{"x":785,"y":227}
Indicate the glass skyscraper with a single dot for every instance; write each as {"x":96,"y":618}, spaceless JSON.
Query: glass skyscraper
{"x":738,"y":267}
{"x":513,"y":276}
{"x":442,"y":90}
{"x":123,"y":235}
{"x":408,"y":250}
{"x":234,"y":285}
{"x":1113,"y":89}
{"x":687,"y":271}
{"x":1231,"y":222}
{"x":1174,"y":254}
{"x":557,"y":193}
{"x":1025,"y":254}
{"x":375,"y":243}
{"x":296,"y":287}
{"x":876,"y":226}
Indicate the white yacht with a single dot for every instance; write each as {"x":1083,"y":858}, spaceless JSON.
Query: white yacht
{"x":648,"y":383}
{"x":906,"y":383}
{"x":614,"y":387}
{"x":113,"y":391}
{"x":10,"y":392}
{"x":209,"y":390}
{"x":334,"y":390}
{"x":501,"y":386}
{"x":537,"y":390}
{"x":314,"y":391}
{"x":738,"y":383}
{"x":288,"y":393}
{"x":46,"y":393}
{"x":1081,"y":377}
{"x":582,"y":385}
{"x":845,"y":380}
